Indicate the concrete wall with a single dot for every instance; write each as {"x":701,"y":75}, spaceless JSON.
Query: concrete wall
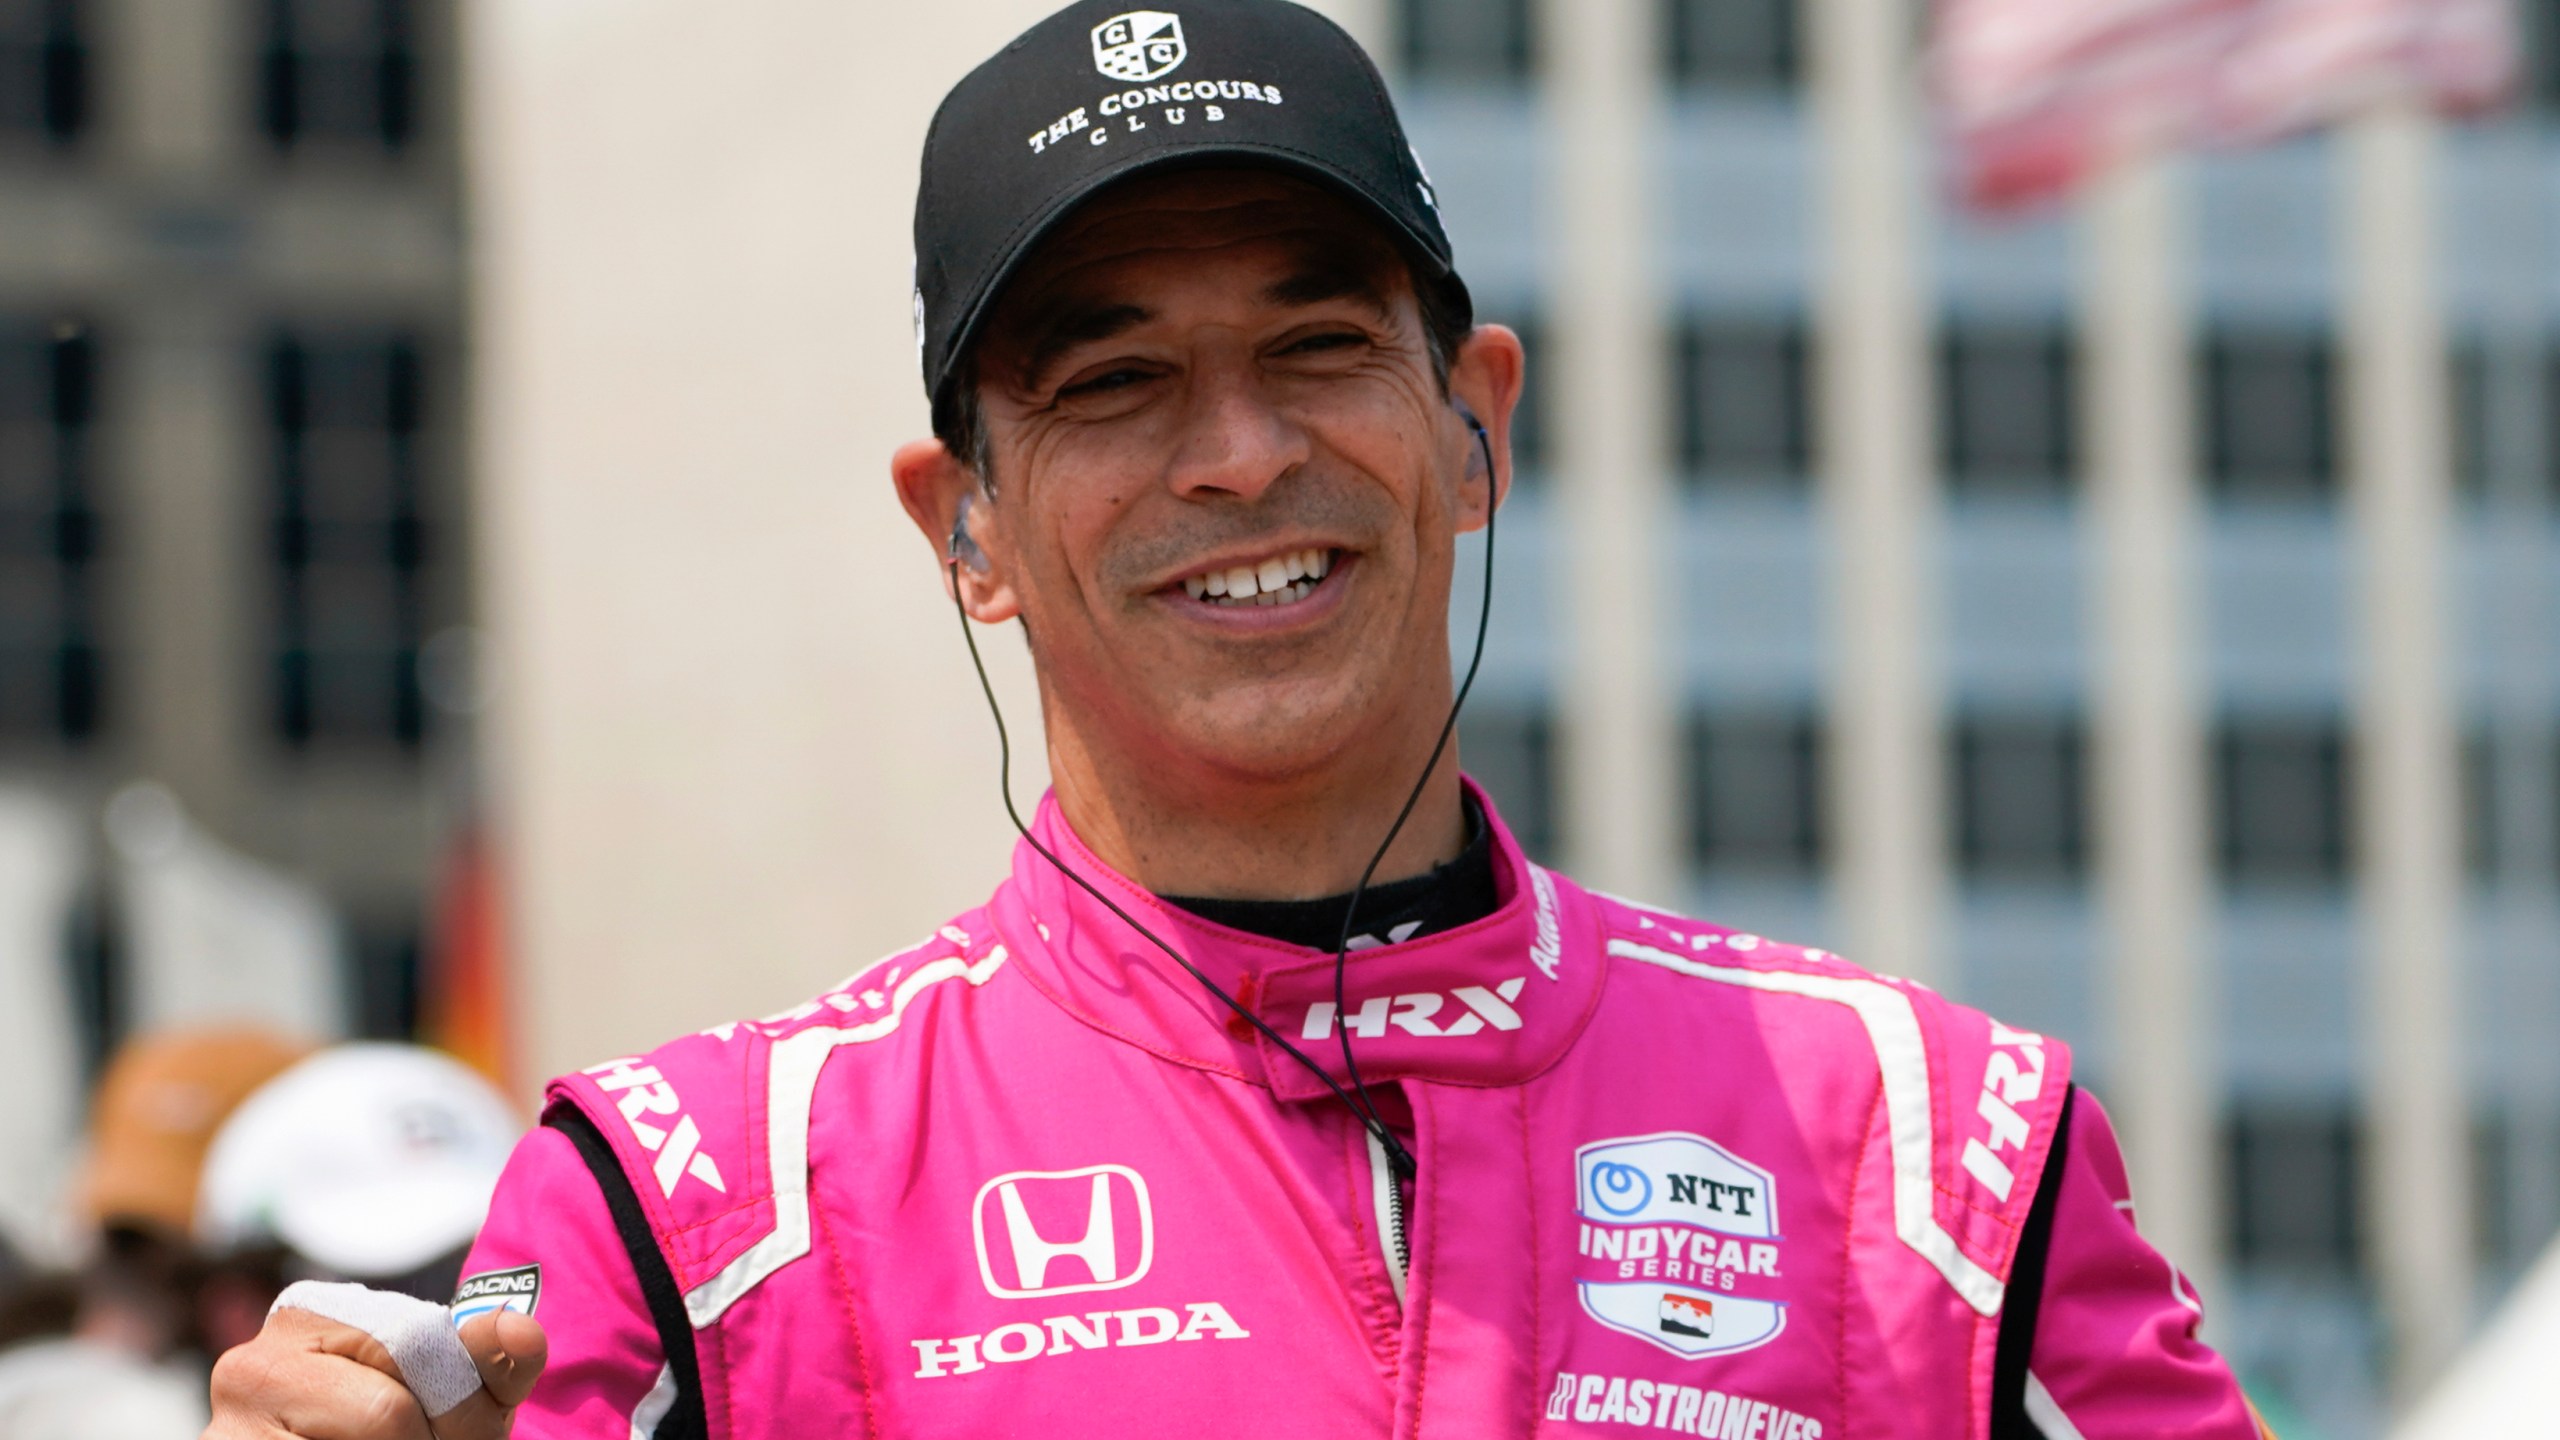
{"x":737,"y":746}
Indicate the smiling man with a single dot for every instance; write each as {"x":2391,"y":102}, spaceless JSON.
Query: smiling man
{"x":1274,"y":1091}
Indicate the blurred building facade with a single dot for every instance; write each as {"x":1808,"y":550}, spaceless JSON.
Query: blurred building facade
{"x":231,"y":413}
{"x":1742,"y":578}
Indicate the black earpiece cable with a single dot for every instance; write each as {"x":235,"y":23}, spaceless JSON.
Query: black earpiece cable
{"x":1356,"y":1099}
{"x":1397,"y":1155}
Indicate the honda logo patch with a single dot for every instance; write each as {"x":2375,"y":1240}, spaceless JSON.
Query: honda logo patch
{"x":1063,"y":1232}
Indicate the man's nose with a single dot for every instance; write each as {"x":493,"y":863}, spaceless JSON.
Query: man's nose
{"x":1235,"y":440}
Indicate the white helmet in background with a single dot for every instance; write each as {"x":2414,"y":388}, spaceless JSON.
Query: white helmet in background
{"x":369,"y":1160}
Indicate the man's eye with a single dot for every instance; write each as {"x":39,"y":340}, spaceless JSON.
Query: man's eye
{"x":1105,"y":382}
{"x":1330,"y":340}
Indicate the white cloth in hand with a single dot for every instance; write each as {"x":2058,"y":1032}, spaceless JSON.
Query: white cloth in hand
{"x":418,"y":1333}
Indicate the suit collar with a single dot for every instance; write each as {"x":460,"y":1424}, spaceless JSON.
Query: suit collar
{"x":1492,"y":1002}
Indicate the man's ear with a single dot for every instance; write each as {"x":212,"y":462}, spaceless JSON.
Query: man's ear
{"x":1486,"y":378}
{"x":931,"y":483}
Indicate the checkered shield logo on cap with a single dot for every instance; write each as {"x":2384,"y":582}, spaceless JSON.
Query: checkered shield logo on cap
{"x":1139,"y":45}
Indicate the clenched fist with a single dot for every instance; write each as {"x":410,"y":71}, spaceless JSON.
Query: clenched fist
{"x":315,"y":1378}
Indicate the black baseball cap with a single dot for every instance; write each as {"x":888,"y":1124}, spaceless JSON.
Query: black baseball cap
{"x":1098,"y":93}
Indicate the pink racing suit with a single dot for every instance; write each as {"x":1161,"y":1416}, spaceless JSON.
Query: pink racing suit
{"x":1027,"y":1178}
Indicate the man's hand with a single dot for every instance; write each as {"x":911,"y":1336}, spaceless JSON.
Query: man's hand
{"x":315,"y":1378}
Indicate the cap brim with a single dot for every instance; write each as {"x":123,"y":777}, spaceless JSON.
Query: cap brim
{"x":1241,"y":154}
{"x":387,"y":1226}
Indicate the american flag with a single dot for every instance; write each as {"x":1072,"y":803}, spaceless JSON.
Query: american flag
{"x":2040,"y":92}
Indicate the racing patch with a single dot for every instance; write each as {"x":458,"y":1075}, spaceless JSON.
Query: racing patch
{"x":518,"y":1289}
{"x":1679,"y":1243}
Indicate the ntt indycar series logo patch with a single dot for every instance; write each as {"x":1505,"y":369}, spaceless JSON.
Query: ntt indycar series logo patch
{"x":1679,"y":1243}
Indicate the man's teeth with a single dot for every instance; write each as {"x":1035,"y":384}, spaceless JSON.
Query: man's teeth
{"x":1281,"y":580}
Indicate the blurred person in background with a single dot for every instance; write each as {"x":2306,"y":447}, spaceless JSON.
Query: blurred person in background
{"x":1101,"y":1156}
{"x":226,"y":1166}
{"x":367,"y":1161}
{"x":34,"y":1304}
{"x":117,"y":1350}
{"x":162,"y":1101}
{"x":65,"y":1390}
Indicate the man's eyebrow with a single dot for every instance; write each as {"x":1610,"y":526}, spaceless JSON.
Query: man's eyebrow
{"x":1326,"y":280}
{"x":1079,"y":325}
{"x":1076,"y":323}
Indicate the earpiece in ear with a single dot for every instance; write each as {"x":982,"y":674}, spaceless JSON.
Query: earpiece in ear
{"x":1482,"y":459}
{"x":964,"y":546}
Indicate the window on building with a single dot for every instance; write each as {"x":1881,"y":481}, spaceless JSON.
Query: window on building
{"x":2548,"y":394}
{"x":1744,"y":402}
{"x":49,"y":672}
{"x":2270,"y":415}
{"x":1467,"y":40}
{"x":383,"y":974}
{"x":1738,"y":44}
{"x":2502,"y":417}
{"x":2475,"y":421}
{"x":339,"y":70}
{"x":2481,"y":852}
{"x":1756,"y":792}
{"x":2281,"y":802}
{"x":2008,"y":403}
{"x":2517,"y":1150}
{"x":2511,"y":806}
{"x":2021,"y":810}
{"x":350,"y":540}
{"x":44,"y":70}
{"x":2292,"y":1170}
{"x":2542,"y":51}
{"x":1511,"y":752}
{"x":94,"y":978}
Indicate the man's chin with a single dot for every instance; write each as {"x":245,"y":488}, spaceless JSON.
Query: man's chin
{"x":1269,"y":733}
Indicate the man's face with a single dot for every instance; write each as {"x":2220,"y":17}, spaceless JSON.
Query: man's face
{"x":1228,"y":480}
